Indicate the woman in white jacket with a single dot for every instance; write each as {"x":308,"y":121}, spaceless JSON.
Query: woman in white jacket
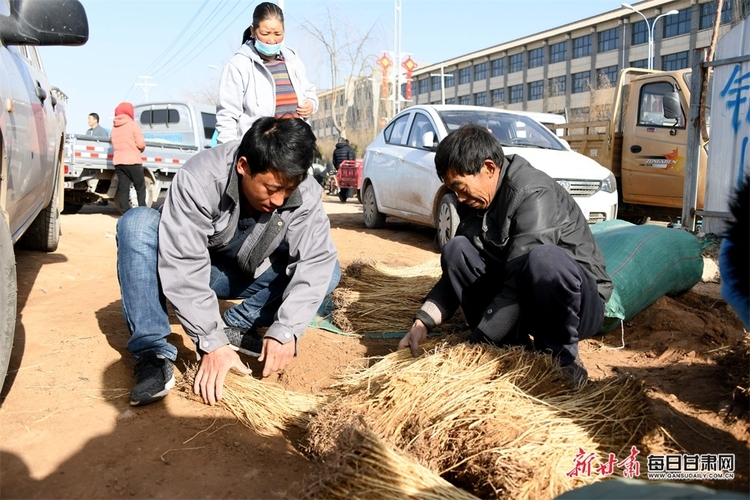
{"x":262,"y":79}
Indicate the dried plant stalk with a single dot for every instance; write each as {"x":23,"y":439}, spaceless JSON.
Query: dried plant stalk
{"x":362,"y":466}
{"x":374,"y":298}
{"x":498,"y":422}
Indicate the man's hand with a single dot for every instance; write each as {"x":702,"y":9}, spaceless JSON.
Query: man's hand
{"x":416,"y":335}
{"x":276,"y":355}
{"x":305,"y":109}
{"x":209,"y":381}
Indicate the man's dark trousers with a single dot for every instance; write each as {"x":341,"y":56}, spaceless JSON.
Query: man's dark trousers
{"x":558,"y":299}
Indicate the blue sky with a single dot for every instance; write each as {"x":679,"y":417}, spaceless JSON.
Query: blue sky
{"x":182,"y":44}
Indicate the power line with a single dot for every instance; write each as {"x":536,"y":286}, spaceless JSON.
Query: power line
{"x":194,"y":42}
{"x":177,"y":64}
{"x":187,"y":26}
{"x":202,"y":28}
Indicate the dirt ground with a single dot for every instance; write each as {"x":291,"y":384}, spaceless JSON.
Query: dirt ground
{"x":68,"y":431}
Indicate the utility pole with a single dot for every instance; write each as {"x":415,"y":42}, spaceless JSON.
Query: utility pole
{"x":442,"y":76}
{"x":145,"y":85}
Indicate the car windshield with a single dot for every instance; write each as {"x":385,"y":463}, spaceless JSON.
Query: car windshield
{"x":511,"y":130}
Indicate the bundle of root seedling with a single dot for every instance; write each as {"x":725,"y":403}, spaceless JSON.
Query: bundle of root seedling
{"x":373,"y":298}
{"x":264,"y":407}
{"x":496,"y":422}
{"x":365,"y":467}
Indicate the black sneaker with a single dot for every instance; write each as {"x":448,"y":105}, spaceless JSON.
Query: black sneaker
{"x":155,"y":378}
{"x":576,"y":372}
{"x":244,"y":341}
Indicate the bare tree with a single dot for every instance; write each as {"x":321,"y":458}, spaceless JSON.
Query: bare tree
{"x":207,"y":94}
{"x":350,"y":57}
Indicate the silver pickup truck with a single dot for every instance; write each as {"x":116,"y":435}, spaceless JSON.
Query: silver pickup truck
{"x":174,"y":131}
{"x":32,"y":133}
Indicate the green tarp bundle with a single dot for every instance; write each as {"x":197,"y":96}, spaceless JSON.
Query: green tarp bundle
{"x":645,"y":263}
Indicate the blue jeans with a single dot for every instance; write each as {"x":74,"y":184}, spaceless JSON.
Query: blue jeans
{"x":144,"y":305}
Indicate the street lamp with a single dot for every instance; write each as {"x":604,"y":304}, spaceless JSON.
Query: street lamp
{"x":442,"y":76}
{"x":650,"y":29}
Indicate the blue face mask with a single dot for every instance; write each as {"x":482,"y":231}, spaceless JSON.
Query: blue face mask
{"x":267,"y":49}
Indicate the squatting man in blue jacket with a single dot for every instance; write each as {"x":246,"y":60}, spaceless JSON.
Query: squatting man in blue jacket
{"x":523,"y":262}
{"x":242,"y":220}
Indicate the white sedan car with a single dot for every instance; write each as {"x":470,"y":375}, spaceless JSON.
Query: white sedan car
{"x":399,"y":179}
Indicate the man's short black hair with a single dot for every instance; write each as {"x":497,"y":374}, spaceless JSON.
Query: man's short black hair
{"x":465,"y":149}
{"x":96,"y":116}
{"x":286,"y":145}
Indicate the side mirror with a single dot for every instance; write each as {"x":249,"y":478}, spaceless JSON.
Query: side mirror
{"x":45,"y":22}
{"x":429,"y":141}
{"x":672,"y":107}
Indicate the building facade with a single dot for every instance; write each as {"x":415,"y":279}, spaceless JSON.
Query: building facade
{"x":562,"y":69}
{"x":567,"y":69}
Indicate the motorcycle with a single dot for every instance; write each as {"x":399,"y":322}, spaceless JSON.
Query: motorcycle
{"x":330,"y":183}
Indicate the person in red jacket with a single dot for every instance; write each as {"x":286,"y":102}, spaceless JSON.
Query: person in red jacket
{"x":128,"y":144}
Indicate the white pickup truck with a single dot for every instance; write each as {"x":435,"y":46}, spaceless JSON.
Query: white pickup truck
{"x":32,"y":132}
{"x":174,"y":131}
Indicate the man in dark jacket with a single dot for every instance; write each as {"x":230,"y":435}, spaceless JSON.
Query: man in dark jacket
{"x":342,"y":152}
{"x":523,"y":261}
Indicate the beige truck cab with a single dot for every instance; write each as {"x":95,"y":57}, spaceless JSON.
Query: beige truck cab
{"x":645,"y":142}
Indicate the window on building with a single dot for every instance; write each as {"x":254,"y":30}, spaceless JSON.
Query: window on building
{"x":516,"y":62}
{"x":640,"y":63}
{"x":671,"y":62}
{"x":581,"y":82}
{"x":450,"y":100}
{"x":558,"y":85}
{"x":464,"y":99}
{"x":464,"y":75}
{"x":581,"y":46}
{"x":435,"y":83}
{"x":403,"y":90}
{"x":497,"y":67}
{"x":677,"y":24}
{"x":480,"y":99}
{"x":606,"y":77}
{"x":536,"y":57}
{"x":708,"y":14}
{"x":497,"y":96}
{"x":558,"y":52}
{"x":609,"y":39}
{"x":516,"y":93}
{"x":424,"y":86}
{"x":640,"y":32}
{"x":480,"y":72}
{"x":536,"y":90}
{"x":450,"y":80}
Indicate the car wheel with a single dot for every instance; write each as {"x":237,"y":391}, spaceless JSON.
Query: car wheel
{"x":372,"y":217}
{"x":43,"y":234}
{"x":447,"y":219}
{"x":7,"y":296}
{"x":133,"y":196}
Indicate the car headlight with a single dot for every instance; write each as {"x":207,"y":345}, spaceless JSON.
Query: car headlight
{"x":609,"y":184}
